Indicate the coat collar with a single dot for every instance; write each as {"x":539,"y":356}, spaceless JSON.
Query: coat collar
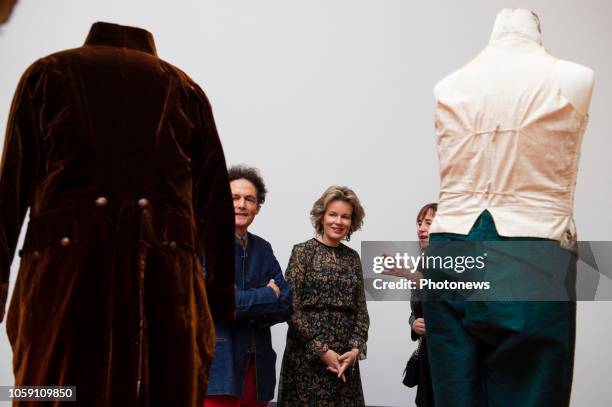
{"x":115,"y":35}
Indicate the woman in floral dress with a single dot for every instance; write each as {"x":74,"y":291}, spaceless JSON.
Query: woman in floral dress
{"x":329,"y":329}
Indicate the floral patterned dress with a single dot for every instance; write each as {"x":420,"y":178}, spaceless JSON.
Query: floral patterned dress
{"x":329,"y":313}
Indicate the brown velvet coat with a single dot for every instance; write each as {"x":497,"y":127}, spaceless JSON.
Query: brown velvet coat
{"x":6,"y":8}
{"x":116,"y":155}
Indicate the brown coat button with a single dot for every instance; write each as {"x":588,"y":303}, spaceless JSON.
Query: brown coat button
{"x":65,"y":241}
{"x":143,"y":203}
{"x":101,"y":201}
{"x":173,"y":245}
{"x":36,"y":254}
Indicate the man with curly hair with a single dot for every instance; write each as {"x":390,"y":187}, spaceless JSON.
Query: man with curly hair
{"x":244,"y":348}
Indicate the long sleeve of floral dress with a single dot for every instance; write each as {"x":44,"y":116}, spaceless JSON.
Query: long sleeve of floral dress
{"x":359,"y":338}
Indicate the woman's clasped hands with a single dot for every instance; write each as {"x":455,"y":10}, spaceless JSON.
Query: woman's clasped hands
{"x":338,"y":364}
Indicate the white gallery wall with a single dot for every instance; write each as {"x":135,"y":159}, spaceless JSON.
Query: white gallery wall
{"x":321,"y":92}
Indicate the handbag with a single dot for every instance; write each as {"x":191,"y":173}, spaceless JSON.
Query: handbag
{"x":411,"y":372}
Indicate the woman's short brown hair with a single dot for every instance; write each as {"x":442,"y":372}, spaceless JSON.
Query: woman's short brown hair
{"x":334,"y":193}
{"x":423,"y":212}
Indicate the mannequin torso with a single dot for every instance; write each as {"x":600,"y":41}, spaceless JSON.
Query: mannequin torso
{"x":509,"y":129}
{"x":519,"y":25}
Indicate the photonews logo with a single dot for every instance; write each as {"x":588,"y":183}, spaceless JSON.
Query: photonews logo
{"x":404,"y":261}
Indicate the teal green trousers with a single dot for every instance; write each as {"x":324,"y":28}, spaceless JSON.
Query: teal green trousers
{"x":501,"y":353}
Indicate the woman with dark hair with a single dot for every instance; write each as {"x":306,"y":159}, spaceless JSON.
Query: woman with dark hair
{"x":424,"y":219}
{"x":329,"y":328}
{"x":424,"y":396}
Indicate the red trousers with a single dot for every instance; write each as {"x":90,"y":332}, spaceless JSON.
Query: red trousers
{"x":249,"y":393}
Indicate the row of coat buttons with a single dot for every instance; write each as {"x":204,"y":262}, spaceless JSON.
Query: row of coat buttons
{"x":102,"y":201}
{"x":142,"y":202}
{"x":65,"y":241}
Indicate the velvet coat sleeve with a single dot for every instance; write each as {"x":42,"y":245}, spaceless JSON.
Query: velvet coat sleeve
{"x":19,"y":167}
{"x":359,"y":338}
{"x":214,"y":211}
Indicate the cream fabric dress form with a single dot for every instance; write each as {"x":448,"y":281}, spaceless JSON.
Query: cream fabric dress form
{"x":509,"y":128}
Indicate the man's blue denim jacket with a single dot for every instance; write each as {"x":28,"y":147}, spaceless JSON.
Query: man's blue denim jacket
{"x":257,"y":309}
